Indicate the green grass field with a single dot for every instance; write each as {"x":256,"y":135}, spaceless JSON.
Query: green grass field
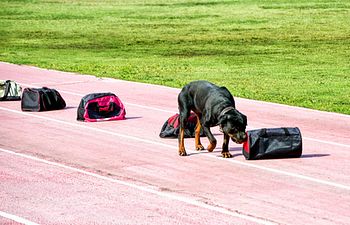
{"x":290,"y":52}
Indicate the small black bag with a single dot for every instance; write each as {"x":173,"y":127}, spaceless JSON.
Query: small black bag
{"x":171,"y":127}
{"x":41,"y":99}
{"x":269,"y":143}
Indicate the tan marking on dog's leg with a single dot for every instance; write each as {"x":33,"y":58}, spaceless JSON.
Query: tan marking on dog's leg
{"x":182,"y":151}
{"x":198,"y":144}
{"x":211,"y":146}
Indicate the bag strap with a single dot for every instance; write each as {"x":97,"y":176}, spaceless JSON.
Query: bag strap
{"x":44,"y":98}
{"x":263,"y":132}
{"x":286,"y":131}
{"x":176,"y":122}
{"x":172,"y":119}
{"x":46,"y":94}
{"x":105,"y":108}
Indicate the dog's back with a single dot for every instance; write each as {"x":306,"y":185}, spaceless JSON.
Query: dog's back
{"x":197,"y":94}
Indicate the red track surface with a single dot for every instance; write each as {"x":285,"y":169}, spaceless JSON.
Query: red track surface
{"x":56,"y":170}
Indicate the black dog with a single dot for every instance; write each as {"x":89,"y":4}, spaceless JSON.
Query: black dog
{"x":213,"y":106}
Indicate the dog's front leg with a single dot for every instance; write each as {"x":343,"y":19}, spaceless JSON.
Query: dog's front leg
{"x":183,"y":121}
{"x":211,"y":138}
{"x":225,"y":153}
{"x":198,"y":143}
{"x":182,"y":151}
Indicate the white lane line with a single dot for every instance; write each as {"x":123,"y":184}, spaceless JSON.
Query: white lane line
{"x":173,"y":112}
{"x":16,"y":218}
{"x":327,"y":142}
{"x":45,"y":84}
{"x":251,"y":165}
{"x":171,"y":196}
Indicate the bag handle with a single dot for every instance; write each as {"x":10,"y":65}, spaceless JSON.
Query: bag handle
{"x":286,"y":131}
{"x":263,"y":132}
{"x":44,"y":97}
{"x":106,"y":108}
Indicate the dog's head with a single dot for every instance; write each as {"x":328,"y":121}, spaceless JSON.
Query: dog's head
{"x":233,"y":123}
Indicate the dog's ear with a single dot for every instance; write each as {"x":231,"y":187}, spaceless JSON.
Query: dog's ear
{"x":242,"y":118}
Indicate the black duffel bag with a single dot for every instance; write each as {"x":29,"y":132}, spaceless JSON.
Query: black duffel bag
{"x":271,"y":143}
{"x":41,"y":99}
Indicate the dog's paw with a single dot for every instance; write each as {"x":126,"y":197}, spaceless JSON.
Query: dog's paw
{"x":182,"y":153}
{"x":199,"y":147}
{"x":226,"y":155}
{"x":211,"y":147}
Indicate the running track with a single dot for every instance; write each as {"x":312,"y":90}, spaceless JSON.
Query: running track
{"x":56,"y":170}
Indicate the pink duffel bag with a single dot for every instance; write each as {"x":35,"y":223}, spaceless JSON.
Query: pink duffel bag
{"x":100,"y":107}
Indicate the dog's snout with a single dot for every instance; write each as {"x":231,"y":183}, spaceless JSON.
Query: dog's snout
{"x":239,"y":137}
{"x":243,"y":136}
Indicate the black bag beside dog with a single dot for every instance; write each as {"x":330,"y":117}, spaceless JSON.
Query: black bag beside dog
{"x":271,"y":143}
{"x":171,"y":127}
{"x":41,"y":99}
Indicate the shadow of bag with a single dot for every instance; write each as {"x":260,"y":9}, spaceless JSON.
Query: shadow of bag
{"x":272,"y":143}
